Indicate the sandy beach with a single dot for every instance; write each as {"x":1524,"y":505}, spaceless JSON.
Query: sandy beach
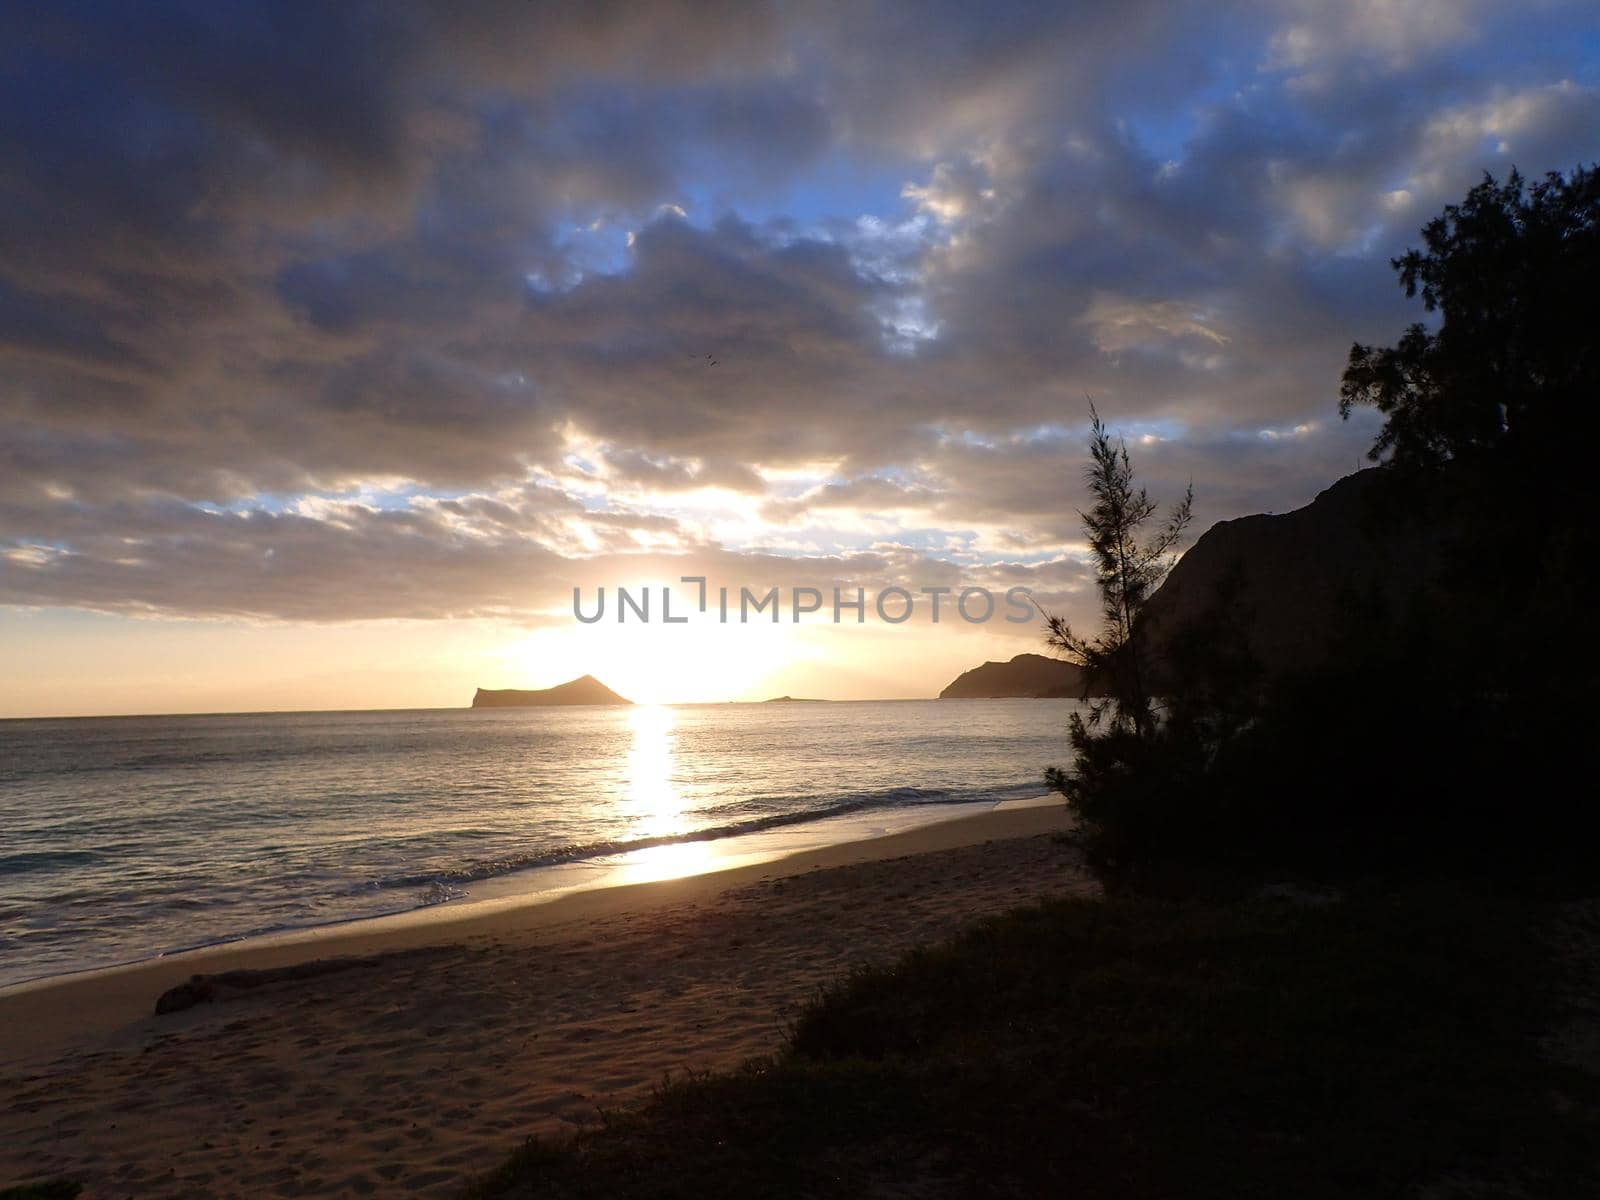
{"x":459,"y":1035}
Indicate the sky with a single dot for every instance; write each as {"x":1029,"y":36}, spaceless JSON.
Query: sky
{"x":340,"y":343}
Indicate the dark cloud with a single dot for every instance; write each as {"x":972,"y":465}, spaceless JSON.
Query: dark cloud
{"x":319,"y":311}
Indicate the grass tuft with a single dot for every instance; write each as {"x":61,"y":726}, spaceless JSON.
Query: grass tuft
{"x":1135,"y":1047}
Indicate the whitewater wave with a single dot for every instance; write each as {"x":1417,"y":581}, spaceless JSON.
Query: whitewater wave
{"x":441,"y":885}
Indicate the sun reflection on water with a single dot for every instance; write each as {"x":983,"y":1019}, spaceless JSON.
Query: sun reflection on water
{"x":656,"y":808}
{"x":651,"y":796}
{"x":675,"y":860}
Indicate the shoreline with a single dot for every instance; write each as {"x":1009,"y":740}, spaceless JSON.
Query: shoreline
{"x":456,"y":1040}
{"x":43,"y":1017}
{"x":692,"y":853}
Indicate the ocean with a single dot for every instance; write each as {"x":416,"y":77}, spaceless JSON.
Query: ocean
{"x":124,"y":838}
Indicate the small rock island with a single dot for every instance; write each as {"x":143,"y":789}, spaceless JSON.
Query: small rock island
{"x":584,"y":690}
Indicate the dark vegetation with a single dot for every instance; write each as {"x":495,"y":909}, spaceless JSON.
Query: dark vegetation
{"x":52,"y":1189}
{"x":1184,"y":1036}
{"x":1508,"y":376}
{"x":1448,"y":727}
{"x":1137,"y":1048}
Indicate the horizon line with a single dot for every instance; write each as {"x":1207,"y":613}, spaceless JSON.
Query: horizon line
{"x":281,"y":712}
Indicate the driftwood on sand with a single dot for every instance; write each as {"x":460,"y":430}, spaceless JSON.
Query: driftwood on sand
{"x":207,"y":989}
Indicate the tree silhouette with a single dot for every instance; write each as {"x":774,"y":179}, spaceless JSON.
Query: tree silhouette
{"x":1127,"y":572}
{"x":1443,"y":729}
{"x":1513,"y":367}
{"x":1122,"y":755}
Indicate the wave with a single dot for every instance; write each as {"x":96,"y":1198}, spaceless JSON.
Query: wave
{"x":439,"y":887}
{"x":445,"y":885}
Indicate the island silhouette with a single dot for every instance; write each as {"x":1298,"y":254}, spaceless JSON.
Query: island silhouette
{"x":586,"y":689}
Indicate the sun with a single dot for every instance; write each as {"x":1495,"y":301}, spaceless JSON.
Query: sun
{"x":653,"y":663}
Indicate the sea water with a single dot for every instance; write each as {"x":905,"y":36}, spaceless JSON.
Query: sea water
{"x":122,"y":838}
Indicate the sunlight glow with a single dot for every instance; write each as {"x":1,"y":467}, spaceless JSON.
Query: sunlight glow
{"x":673,"y":861}
{"x":652,"y":799}
{"x":656,"y":663}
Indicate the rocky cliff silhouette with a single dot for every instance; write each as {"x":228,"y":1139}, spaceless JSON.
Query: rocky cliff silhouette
{"x":1298,"y":580}
{"x":1026,"y":675}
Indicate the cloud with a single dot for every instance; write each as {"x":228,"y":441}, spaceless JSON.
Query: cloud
{"x":1390,"y":33}
{"x":314,"y":312}
{"x":1119,"y":324}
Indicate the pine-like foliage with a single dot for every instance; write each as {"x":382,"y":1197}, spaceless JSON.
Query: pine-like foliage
{"x":1513,"y":364}
{"x":1128,"y":570}
{"x":1119,"y":781}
